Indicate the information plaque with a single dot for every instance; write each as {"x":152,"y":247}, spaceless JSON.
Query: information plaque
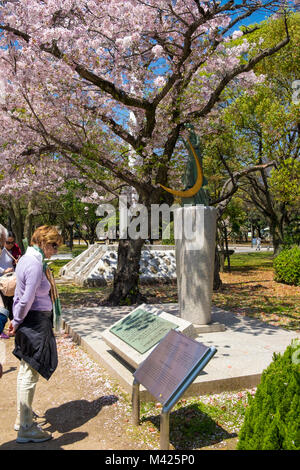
{"x":169,"y":366}
{"x":142,"y":329}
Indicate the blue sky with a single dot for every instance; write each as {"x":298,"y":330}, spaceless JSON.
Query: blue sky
{"x":256,"y":17}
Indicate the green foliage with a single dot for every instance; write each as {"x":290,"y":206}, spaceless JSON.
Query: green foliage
{"x":261,"y":126}
{"x":287,"y":266}
{"x":288,"y":57}
{"x":292,"y":233}
{"x":284,"y":182}
{"x":272,"y":421}
{"x":76,"y":253}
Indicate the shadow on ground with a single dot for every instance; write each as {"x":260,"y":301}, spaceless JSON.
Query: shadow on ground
{"x":75,"y":413}
{"x":64,"y":419}
{"x":53,"y":444}
{"x":191,"y":428}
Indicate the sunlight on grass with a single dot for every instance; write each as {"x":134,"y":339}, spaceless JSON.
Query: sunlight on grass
{"x":249,"y":261}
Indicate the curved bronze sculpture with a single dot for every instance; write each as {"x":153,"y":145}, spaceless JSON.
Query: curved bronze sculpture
{"x":194,"y":179}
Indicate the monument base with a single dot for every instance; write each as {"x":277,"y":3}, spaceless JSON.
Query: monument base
{"x":210,"y":328}
{"x":195,"y":259}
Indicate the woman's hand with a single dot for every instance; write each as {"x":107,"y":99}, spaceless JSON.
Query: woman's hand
{"x":8,"y":270}
{"x":11,"y":330}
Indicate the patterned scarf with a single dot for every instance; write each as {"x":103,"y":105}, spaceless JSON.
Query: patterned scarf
{"x":56,"y":306}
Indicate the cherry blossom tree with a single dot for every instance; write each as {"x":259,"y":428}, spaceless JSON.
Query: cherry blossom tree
{"x":26,"y":188}
{"x":48,"y":190}
{"x":74,"y":71}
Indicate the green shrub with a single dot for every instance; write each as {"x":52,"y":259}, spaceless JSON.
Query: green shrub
{"x":272,"y":420}
{"x":287,"y":266}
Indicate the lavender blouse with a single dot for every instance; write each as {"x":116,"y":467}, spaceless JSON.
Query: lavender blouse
{"x":32,"y":289}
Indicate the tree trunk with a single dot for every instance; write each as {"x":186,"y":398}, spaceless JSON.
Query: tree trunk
{"x":226,"y":248}
{"x":27,"y":232}
{"x":125,"y":288}
{"x":277,"y":242}
{"x":217,"y":279}
{"x":17,"y":222}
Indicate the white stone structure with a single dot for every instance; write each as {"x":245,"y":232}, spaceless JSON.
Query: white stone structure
{"x":96,"y":266}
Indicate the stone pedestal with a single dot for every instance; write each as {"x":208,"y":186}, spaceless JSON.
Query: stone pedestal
{"x":195,"y":256}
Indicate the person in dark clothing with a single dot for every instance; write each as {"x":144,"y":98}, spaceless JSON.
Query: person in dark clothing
{"x":5,"y":267}
{"x":10,"y":254}
{"x":12,"y":247}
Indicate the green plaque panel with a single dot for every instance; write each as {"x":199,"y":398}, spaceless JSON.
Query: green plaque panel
{"x":142,"y":330}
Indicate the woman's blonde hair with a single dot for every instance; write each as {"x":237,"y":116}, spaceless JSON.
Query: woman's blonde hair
{"x":46,"y":234}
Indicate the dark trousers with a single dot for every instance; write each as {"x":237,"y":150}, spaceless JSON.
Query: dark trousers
{"x":8,"y":304}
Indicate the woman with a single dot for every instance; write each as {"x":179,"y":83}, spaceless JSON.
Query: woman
{"x":6,"y":259}
{"x":12,"y":247}
{"x":6,"y":266}
{"x":9,"y":257}
{"x":35,"y":344}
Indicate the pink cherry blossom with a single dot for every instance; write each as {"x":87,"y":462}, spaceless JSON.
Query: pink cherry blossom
{"x":237,"y":34}
{"x":74,"y":72}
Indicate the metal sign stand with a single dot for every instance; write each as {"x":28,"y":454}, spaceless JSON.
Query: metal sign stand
{"x":165,"y":414}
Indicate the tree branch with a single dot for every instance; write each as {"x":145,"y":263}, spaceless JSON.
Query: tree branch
{"x":234,"y":73}
{"x":121,"y":96}
{"x":231,"y":186}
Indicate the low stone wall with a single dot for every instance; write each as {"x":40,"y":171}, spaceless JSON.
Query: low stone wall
{"x":158,"y":264}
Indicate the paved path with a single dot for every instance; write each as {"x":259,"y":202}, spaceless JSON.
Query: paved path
{"x":84,"y":408}
{"x":62,"y":256}
{"x":249,"y":249}
{"x":236,"y":248}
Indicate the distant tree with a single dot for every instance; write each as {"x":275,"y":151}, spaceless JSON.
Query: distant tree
{"x":262,"y":126}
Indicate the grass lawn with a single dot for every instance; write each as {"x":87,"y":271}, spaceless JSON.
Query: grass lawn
{"x":76,"y":248}
{"x":250,"y":289}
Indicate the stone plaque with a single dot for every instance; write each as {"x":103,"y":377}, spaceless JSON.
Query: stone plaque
{"x":126,"y":351}
{"x":170,"y":364}
{"x":142,"y":329}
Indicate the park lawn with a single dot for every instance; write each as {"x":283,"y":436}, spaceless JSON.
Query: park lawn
{"x":249,"y":289}
{"x":77,"y":249}
{"x":56,"y":265}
